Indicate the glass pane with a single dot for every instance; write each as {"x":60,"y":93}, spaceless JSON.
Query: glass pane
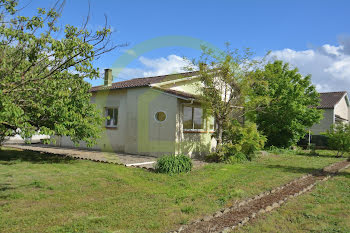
{"x":198,"y":118}
{"x":115,"y":117}
{"x":109,"y":115}
{"x":160,"y":116}
{"x":187,"y":121}
{"x":211,"y":123}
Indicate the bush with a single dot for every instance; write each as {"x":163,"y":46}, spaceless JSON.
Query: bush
{"x":239,"y":143}
{"x":339,"y":138}
{"x":285,"y":151}
{"x":173,"y":164}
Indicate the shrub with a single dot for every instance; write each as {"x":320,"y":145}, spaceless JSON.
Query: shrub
{"x":239,"y":143}
{"x":339,"y":138}
{"x":312,"y":148}
{"x":245,"y":139}
{"x":237,"y":158}
{"x":173,"y":164}
{"x":285,"y":151}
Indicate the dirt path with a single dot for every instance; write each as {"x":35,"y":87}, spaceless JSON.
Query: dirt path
{"x":228,"y":219}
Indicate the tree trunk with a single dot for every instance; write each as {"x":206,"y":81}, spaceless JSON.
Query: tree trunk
{"x":219,"y":137}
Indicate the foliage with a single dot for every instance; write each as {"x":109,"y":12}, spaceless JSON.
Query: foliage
{"x":312,"y":148}
{"x":292,"y":106}
{"x":239,"y":143}
{"x":226,"y":84}
{"x":173,"y":164}
{"x":47,"y":180}
{"x":284,"y":151}
{"x":339,"y":138}
{"x":42,"y":72}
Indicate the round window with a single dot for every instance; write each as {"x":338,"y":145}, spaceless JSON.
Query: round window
{"x":160,"y":116}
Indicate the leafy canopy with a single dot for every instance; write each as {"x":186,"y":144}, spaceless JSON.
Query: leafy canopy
{"x":226,"y":85}
{"x":292,"y":106}
{"x":42,"y":71}
{"x":240,"y":142}
{"x":339,"y":138}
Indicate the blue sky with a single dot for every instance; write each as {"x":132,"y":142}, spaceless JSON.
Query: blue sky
{"x":312,"y":35}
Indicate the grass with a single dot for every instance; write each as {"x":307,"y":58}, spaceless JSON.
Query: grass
{"x":43,"y":193}
{"x":325,"y":209}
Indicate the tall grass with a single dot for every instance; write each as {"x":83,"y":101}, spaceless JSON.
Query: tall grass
{"x":173,"y":164}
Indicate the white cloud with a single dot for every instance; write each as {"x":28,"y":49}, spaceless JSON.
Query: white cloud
{"x":329,"y":65}
{"x":154,"y":67}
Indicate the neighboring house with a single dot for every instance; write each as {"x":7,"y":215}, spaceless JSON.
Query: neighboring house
{"x":151,"y":116}
{"x":335,"y":106}
{"x":18,"y":139}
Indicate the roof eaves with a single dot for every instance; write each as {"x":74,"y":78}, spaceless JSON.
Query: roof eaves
{"x":344,"y":93}
{"x":177,"y":94}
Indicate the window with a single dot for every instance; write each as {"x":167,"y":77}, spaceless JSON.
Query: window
{"x":212,"y":124}
{"x":193,"y":118}
{"x":160,"y":116}
{"x":112,"y":117}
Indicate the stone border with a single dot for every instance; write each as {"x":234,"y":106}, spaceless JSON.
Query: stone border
{"x":242,"y":203}
{"x":261,"y":195}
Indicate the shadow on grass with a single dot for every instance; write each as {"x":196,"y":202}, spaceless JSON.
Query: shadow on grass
{"x":313,"y":171}
{"x":345,"y":174}
{"x":304,"y":153}
{"x":295,"y":169}
{"x":5,"y":186}
{"x":10,"y":157}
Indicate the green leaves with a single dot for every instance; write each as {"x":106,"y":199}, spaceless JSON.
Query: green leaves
{"x":42,"y":75}
{"x":227,"y":83}
{"x":292,"y":107}
{"x":339,"y":137}
{"x":173,"y":164}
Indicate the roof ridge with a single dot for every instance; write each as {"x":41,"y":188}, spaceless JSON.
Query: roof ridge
{"x":144,"y":81}
{"x":158,"y":76}
{"x":332,"y":92}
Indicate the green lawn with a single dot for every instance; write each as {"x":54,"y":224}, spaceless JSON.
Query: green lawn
{"x":325,"y":209}
{"x":42,"y":193}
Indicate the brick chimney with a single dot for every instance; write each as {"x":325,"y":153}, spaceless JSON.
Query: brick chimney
{"x":108,"y":77}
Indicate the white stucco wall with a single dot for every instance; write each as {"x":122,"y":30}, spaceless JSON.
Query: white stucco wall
{"x":342,"y":109}
{"x":138,"y":132}
{"x":146,"y":135}
{"x":34,"y":139}
{"x":325,"y":123}
{"x":112,"y":139}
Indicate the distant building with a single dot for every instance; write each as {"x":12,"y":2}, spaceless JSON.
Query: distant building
{"x":336,"y":110}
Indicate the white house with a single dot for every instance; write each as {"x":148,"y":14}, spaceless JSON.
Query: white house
{"x":151,"y":116}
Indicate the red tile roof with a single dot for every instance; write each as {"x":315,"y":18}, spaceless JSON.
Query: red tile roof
{"x":142,"y":82}
{"x":330,"y":99}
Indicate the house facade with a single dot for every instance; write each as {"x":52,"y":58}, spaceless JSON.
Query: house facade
{"x":151,"y":116}
{"x":335,"y":106}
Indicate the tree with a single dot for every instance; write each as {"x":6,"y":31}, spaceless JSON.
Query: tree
{"x":226,"y":84}
{"x":339,"y":138}
{"x":292,"y":106}
{"x":42,"y":72}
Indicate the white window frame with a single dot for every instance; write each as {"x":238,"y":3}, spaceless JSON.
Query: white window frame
{"x":112,"y":123}
{"x":203,"y":120}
